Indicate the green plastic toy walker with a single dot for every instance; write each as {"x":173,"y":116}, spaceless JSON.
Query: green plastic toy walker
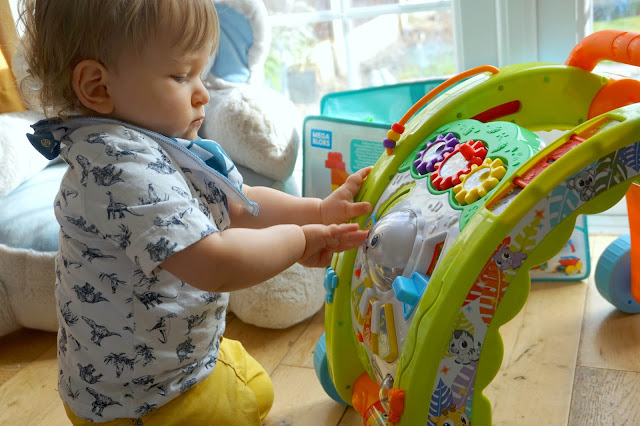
{"x":465,"y":203}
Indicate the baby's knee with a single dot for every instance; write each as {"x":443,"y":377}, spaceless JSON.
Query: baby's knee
{"x":263,"y":389}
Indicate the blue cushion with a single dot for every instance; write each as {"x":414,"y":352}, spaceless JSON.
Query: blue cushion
{"x":27,"y":220}
{"x":236,"y":38}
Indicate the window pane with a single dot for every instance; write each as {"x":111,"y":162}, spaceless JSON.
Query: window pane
{"x":393,"y":49}
{"x":278,"y":7}
{"x":617,"y":15}
{"x":309,"y":60}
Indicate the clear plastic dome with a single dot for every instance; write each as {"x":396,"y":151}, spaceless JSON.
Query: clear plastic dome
{"x":388,"y":247}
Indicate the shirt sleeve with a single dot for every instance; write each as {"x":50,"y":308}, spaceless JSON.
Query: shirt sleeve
{"x":143,"y":202}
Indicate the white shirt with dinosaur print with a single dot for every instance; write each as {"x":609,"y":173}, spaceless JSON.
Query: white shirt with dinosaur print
{"x":132,"y":336}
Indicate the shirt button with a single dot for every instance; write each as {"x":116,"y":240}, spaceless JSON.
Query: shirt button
{"x":45,"y":142}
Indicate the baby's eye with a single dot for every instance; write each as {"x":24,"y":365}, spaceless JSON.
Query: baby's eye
{"x":179,"y":78}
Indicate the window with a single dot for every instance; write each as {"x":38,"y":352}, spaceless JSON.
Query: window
{"x":323,"y":46}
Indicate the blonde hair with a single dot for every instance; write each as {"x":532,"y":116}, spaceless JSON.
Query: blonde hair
{"x":59,"y":34}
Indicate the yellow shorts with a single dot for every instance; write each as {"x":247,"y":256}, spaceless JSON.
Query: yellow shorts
{"x":238,"y":392}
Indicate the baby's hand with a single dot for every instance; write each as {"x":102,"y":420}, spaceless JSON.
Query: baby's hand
{"x":339,"y":206}
{"x":322,"y":241}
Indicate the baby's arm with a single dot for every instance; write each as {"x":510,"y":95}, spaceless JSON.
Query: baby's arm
{"x":277,"y":207}
{"x":238,"y":258}
{"x":287,"y":230}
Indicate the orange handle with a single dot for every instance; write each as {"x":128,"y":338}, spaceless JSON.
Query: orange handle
{"x":442,"y":87}
{"x":613,"y":45}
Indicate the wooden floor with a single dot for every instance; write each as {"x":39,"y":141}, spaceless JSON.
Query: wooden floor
{"x":570,"y":358}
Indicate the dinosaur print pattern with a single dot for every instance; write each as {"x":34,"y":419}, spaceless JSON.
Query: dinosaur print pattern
{"x":87,"y":374}
{"x":81,"y":223}
{"x":123,"y":238}
{"x":98,"y":332}
{"x":184,"y":349}
{"x":101,"y":402}
{"x":130,"y":331}
{"x":105,"y":176}
{"x":160,"y":250}
{"x":88,"y":294}
{"x":195,"y":320}
{"x":152,"y":197}
{"x":151,"y":299}
{"x":113,"y":280}
{"x":118,"y":208}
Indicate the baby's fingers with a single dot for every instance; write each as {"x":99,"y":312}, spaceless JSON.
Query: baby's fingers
{"x":355,"y":180}
{"x":346,"y":237}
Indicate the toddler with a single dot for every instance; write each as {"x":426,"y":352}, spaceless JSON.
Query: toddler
{"x":156,"y":225}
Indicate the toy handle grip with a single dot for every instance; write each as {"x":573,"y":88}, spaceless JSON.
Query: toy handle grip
{"x":613,"y":45}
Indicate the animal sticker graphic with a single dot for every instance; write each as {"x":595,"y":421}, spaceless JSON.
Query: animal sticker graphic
{"x":507,"y":259}
{"x":452,"y":416}
{"x":463,"y":348}
{"x":583,"y":183}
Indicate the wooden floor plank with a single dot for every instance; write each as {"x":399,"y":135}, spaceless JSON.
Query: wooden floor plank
{"x":610,"y":338}
{"x":351,"y":418}
{"x":267,"y":346}
{"x":605,"y":397}
{"x":31,"y":396}
{"x":541,"y":345}
{"x":300,"y":400}
{"x":20,"y":348}
{"x":301,"y":353}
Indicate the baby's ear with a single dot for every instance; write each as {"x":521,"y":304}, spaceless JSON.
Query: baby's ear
{"x":90,"y":79}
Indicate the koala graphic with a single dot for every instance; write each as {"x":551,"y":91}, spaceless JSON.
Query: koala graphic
{"x":583,"y":182}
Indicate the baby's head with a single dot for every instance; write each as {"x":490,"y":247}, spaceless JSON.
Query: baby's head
{"x":139,"y":61}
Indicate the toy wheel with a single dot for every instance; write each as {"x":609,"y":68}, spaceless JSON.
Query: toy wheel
{"x":613,"y":275}
{"x":570,"y":270}
{"x":322,"y":370}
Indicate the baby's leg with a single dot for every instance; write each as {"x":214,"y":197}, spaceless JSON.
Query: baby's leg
{"x":238,"y":392}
